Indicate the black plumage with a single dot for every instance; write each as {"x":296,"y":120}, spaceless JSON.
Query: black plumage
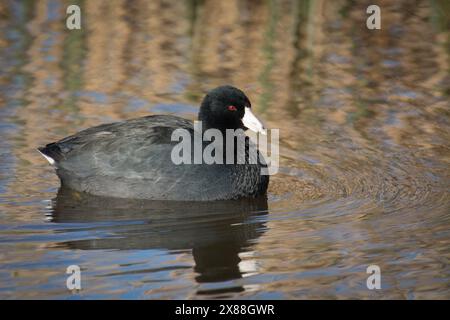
{"x":132,"y":158}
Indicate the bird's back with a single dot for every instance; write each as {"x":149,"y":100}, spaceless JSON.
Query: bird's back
{"x":132,"y":159}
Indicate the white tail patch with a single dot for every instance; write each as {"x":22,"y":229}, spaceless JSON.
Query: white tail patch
{"x":51,"y":160}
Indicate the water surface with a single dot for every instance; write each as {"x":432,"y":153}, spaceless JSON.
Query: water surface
{"x":364,"y":143}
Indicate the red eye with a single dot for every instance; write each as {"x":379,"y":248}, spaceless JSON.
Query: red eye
{"x":232,"y":108}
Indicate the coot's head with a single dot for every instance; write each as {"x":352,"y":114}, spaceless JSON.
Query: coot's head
{"x":227,"y":107}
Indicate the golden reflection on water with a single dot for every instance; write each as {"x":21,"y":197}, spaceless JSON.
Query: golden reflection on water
{"x":364,"y":129}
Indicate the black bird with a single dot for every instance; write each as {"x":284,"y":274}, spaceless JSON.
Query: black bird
{"x":132,"y":158}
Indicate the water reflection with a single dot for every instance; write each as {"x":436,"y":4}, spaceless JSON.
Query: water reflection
{"x":364,"y":143}
{"x":217,"y":232}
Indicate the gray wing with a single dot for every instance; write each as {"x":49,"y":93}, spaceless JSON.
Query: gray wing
{"x":132,"y":159}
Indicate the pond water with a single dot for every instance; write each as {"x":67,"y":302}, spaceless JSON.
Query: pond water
{"x":364,"y":173}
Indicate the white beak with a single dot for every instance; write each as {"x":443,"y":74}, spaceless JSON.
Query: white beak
{"x":250,"y":121}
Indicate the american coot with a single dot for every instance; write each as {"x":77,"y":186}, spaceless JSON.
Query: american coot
{"x":132,"y":158}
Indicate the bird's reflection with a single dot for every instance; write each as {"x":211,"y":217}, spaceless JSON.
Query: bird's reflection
{"x":216,"y":231}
